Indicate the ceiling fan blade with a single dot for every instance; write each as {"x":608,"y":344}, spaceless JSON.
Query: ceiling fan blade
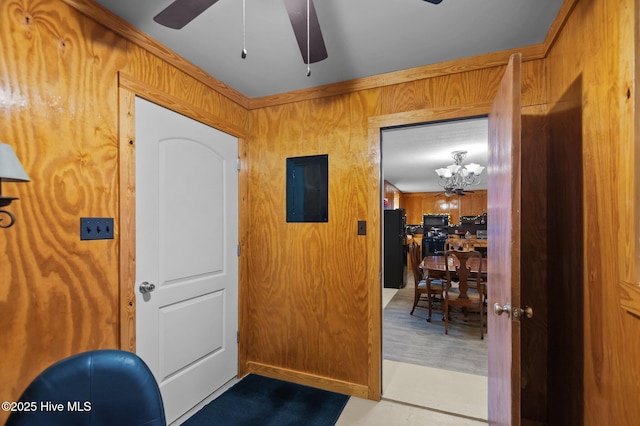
{"x":181,"y":12}
{"x":434,"y":1}
{"x":297,"y":10}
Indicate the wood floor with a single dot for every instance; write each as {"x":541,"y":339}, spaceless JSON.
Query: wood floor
{"x":411,"y":339}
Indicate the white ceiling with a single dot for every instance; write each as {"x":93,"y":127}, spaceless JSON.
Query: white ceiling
{"x":363,"y":38}
{"x":410,"y":155}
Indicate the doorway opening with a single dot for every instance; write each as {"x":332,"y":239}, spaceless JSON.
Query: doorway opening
{"x":415,"y":350}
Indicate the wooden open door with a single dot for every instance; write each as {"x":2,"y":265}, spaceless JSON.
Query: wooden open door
{"x":504,"y":184}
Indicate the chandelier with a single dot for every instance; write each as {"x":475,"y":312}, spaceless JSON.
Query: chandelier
{"x":456,"y":177}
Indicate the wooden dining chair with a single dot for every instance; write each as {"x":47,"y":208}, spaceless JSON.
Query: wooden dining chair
{"x":423,"y":285}
{"x":467,"y":268}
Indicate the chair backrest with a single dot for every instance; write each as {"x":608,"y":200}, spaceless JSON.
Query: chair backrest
{"x":452,"y":244}
{"x":414,"y":259}
{"x":468,"y":265}
{"x":103,"y":387}
{"x":457,"y":243}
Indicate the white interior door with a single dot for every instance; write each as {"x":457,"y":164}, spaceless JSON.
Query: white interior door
{"x":186,"y":249}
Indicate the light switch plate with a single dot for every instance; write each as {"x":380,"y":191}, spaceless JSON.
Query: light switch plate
{"x":96,"y":228}
{"x":362,"y":227}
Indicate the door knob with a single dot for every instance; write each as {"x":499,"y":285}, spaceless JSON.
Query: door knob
{"x":518,"y":313}
{"x":146,"y":287}
{"x":527,"y":312}
{"x":499,"y":309}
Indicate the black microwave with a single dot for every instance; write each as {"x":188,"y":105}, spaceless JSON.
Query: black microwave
{"x":435,"y":221}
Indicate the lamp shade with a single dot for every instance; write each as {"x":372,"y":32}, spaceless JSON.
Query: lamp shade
{"x":11,"y":169}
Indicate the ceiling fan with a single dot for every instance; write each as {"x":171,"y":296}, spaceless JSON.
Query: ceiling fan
{"x":450,"y":192}
{"x":311,"y":44}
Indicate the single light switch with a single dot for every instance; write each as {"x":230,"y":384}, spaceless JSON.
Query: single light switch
{"x":362,"y":227}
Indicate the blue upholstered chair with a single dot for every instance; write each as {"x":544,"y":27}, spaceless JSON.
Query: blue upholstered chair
{"x":104,"y":387}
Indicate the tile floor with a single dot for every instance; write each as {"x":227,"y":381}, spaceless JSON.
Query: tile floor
{"x":416,"y":395}
{"x":387,"y":413}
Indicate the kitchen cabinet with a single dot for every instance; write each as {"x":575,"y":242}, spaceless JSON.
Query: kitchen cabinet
{"x":418,"y":204}
{"x":473,"y":203}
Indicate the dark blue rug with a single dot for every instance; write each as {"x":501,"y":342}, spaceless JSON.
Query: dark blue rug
{"x":261,"y":401}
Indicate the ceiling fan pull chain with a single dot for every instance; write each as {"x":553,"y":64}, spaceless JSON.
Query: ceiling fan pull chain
{"x":308,"y":50}
{"x":244,"y":24}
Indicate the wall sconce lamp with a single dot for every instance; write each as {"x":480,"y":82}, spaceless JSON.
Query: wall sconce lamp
{"x":11,"y":170}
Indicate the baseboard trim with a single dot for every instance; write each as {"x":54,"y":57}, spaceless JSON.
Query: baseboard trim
{"x":307,"y":379}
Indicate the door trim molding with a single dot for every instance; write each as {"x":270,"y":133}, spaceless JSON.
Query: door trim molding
{"x":176,"y":104}
{"x":128,"y":89}
{"x":374,"y":268}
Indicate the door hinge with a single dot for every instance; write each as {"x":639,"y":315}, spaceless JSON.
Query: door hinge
{"x":239,"y":164}
{"x":238,"y":249}
{"x":238,"y":337}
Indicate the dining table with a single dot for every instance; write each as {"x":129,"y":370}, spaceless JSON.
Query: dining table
{"x":435,"y":267}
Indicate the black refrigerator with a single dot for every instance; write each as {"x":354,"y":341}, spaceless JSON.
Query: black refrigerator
{"x":395,"y":249}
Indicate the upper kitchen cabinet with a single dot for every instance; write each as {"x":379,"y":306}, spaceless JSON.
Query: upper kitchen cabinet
{"x":473,"y":203}
{"x":418,"y":204}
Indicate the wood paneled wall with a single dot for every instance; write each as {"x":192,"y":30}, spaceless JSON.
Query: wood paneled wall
{"x":592,"y":84}
{"x":59,"y":110}
{"x":310,"y":293}
{"x":534,"y":277}
{"x":412,"y":204}
{"x":307,"y":297}
{"x":392,"y":196}
{"x":315,"y":285}
{"x":593,"y":46}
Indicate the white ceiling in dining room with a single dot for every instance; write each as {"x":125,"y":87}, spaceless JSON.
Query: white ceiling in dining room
{"x":411,"y":154}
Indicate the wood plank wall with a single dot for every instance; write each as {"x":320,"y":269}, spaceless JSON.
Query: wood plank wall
{"x":591,"y":86}
{"x":313,"y":283}
{"x":308,"y":294}
{"x":591,"y":47}
{"x":392,"y":195}
{"x":59,"y":110}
